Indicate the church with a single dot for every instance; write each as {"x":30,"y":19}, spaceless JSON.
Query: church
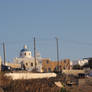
{"x":27,"y":61}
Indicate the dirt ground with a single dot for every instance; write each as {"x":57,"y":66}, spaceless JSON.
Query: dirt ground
{"x":85,"y":85}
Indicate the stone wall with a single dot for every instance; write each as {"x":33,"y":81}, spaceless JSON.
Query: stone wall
{"x":73,"y":72}
{"x":48,"y":65}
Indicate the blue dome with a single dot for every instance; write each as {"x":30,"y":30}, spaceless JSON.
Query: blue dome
{"x":24,"y":50}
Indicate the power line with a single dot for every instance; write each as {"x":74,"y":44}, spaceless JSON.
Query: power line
{"x":77,"y":42}
{"x":45,"y":40}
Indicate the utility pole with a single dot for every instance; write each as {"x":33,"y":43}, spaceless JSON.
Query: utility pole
{"x":0,"y":64}
{"x":57,"y":54}
{"x":35,"y":52}
{"x":4,"y":53}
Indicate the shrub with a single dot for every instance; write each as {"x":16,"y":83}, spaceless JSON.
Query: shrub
{"x":64,"y":90}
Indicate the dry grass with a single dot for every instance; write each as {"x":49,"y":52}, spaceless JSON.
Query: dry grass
{"x":37,"y":85}
{"x":4,"y":80}
{"x":33,"y":85}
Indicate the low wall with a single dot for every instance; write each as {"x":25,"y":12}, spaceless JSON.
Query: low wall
{"x":74,"y":72}
{"x":16,"y":76}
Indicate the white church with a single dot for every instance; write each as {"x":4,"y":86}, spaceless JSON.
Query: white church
{"x":27,"y":61}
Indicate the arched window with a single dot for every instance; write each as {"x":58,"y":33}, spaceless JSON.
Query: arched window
{"x":25,"y":54}
{"x":26,"y":64}
{"x":31,"y":64}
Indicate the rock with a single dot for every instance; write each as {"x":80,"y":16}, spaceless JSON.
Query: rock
{"x":58,"y":84}
{"x":1,"y":89}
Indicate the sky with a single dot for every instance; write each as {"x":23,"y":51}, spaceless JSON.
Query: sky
{"x":69,"y":20}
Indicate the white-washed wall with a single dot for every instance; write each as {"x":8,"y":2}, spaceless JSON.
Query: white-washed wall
{"x":16,"y":76}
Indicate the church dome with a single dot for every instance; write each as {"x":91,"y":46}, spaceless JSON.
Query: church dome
{"x":24,"y":49}
{"x":25,"y":52}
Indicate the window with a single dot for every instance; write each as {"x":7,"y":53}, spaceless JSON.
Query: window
{"x":49,"y":69}
{"x":47,"y":61}
{"x":60,"y":67}
{"x":31,"y":64}
{"x":45,"y":70}
{"x":25,"y":54}
{"x":64,"y":61}
{"x":26,"y":64}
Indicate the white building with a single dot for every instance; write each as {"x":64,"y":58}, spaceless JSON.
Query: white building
{"x":27,"y":61}
{"x":82,"y":62}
